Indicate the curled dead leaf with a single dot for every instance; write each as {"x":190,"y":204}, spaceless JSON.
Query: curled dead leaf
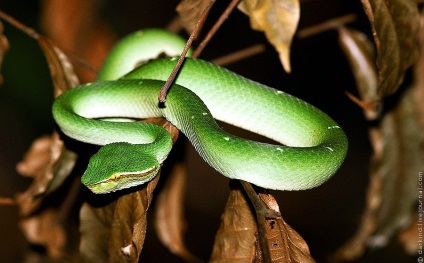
{"x":115,"y":231}
{"x":391,"y":194}
{"x":238,"y":238}
{"x":270,"y":202}
{"x":169,"y":214}
{"x":49,"y":163}
{"x":87,"y":36}
{"x":45,"y":230}
{"x":4,"y":46}
{"x":190,"y":11}
{"x":357,"y":49}
{"x":284,"y":243}
{"x":395,"y":25}
{"x":409,"y":238}
{"x":278,"y":19}
{"x":61,"y":69}
{"x":398,"y":157}
{"x":36,"y":158}
{"x":235,"y":239}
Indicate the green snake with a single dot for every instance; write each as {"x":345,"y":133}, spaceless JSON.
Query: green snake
{"x":309,"y":148}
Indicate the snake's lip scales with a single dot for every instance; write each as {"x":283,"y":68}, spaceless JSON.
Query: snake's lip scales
{"x":122,"y":181}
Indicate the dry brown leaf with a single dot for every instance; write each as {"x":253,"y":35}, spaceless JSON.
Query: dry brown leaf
{"x":95,"y":227}
{"x":128,"y":229}
{"x":397,"y":165}
{"x":356,"y":47}
{"x":285,"y":244}
{"x":392,"y":193}
{"x":190,"y":11}
{"x":61,"y":69}
{"x":235,"y":240}
{"x":49,"y":163}
{"x":398,"y":157}
{"x":166,"y":125}
{"x":278,"y":19}
{"x":4,"y":46}
{"x":115,"y":232}
{"x":409,"y":238}
{"x":52,"y":164}
{"x":44,"y":230}
{"x":36,"y":158}
{"x":76,"y":27}
{"x":395,"y":26}
{"x":169,"y":214}
{"x":419,"y":75}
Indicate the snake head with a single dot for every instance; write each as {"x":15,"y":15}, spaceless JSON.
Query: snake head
{"x":118,"y":166}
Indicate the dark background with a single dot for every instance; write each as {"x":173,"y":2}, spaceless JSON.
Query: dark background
{"x":325,"y":217}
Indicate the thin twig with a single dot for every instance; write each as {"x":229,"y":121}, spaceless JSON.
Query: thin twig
{"x":262,"y":214}
{"x":364,"y":105}
{"x":194,"y":34}
{"x":7,"y":201}
{"x":39,"y":37}
{"x":175,"y":25}
{"x":215,"y":27}
{"x":239,"y":55}
{"x":69,"y":202}
{"x":327,"y":25}
{"x":27,"y":30}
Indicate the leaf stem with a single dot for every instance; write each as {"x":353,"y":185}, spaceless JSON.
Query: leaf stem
{"x":215,"y":27}
{"x":327,"y":25}
{"x":7,"y":201}
{"x":262,"y":214}
{"x":193,"y":35}
{"x":239,"y":55}
{"x":27,"y":30}
{"x":32,"y":33}
{"x":364,"y":105}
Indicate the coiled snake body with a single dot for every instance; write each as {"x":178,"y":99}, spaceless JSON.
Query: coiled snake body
{"x":312,"y":146}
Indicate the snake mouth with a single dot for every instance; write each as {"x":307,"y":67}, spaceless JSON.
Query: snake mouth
{"x":123,"y":180}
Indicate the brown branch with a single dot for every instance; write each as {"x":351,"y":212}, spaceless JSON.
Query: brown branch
{"x":69,"y":201}
{"x":39,"y":37}
{"x":239,"y":55}
{"x":27,"y":30}
{"x":175,"y":25}
{"x":262,"y":214}
{"x":364,"y":105}
{"x":194,"y":34}
{"x":327,"y":25}
{"x":7,"y":200}
{"x":215,"y":27}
